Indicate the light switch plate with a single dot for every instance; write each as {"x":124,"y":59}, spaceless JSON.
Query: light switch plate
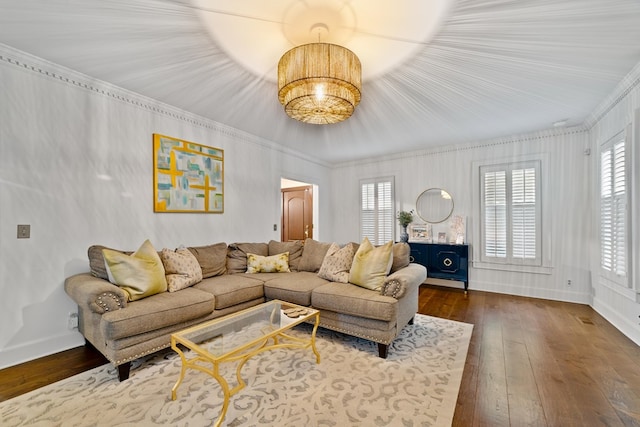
{"x":24,"y":231}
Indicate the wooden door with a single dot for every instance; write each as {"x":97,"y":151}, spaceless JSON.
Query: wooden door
{"x":297,"y":213}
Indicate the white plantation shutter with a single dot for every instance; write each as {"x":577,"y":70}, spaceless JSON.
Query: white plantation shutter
{"x":613,"y":207}
{"x":510,"y":209}
{"x":524,"y":217}
{"x":376,"y":210}
{"x":367,"y":211}
{"x":495,"y":214}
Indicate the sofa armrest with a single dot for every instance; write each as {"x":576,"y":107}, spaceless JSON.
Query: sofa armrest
{"x":94,"y":293}
{"x":397,"y":284}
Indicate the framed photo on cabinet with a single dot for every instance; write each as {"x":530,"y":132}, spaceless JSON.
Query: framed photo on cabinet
{"x":420,"y":233}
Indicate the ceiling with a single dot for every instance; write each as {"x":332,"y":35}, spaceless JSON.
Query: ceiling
{"x":480,"y":69}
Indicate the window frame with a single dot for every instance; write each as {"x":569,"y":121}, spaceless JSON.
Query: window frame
{"x":609,"y":146}
{"x":390,"y":215}
{"x":510,"y":207}
{"x":541,"y":264}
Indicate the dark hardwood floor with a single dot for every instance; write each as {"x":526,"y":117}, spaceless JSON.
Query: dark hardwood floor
{"x":531,"y":362}
{"x":28,"y":376}
{"x":534,"y":362}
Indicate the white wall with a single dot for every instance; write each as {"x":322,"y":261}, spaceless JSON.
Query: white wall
{"x":59,"y":130}
{"x":451,"y":169}
{"x":621,"y":306}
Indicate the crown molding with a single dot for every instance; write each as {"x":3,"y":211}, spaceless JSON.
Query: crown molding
{"x":12,"y":57}
{"x":626,"y":85}
{"x":456,"y":148}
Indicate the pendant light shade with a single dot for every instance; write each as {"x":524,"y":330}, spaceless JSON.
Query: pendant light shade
{"x":319,"y":83}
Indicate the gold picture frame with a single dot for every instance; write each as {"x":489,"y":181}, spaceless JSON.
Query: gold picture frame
{"x":187,"y":177}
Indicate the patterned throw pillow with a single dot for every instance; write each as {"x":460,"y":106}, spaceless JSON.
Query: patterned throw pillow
{"x":337,"y":263}
{"x":140,"y":274}
{"x":181,"y":268}
{"x":268,"y":264}
{"x":371,"y":265}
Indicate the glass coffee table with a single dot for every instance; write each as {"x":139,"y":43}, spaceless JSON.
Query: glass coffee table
{"x":238,"y":337}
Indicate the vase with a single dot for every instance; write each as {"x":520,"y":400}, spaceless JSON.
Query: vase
{"x":404,"y":236}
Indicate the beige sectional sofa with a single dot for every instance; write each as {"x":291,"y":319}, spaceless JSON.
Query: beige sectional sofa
{"x":124,"y":330}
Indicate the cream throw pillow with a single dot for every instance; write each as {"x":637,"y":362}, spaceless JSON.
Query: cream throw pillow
{"x":337,"y":263}
{"x":181,"y":268}
{"x":371,"y":265}
{"x":268,"y":264}
{"x":140,"y":274}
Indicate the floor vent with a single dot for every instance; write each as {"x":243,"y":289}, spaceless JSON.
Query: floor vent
{"x":585,"y":320}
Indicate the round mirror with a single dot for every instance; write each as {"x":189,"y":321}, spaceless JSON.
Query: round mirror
{"x":434,"y":205}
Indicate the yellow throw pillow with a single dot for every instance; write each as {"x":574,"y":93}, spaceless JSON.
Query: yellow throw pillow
{"x":268,"y":264}
{"x":140,"y":274}
{"x":181,"y":268}
{"x":371,"y":265}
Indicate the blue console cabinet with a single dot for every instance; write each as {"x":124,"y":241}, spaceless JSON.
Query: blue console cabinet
{"x":443,"y":261}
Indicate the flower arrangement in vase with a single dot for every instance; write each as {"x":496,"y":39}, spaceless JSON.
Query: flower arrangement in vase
{"x":404,"y":219}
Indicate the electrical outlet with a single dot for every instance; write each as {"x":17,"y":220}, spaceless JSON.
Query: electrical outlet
{"x":569,"y":283}
{"x":275,"y":227}
{"x":72,"y":322}
{"x":24,"y":231}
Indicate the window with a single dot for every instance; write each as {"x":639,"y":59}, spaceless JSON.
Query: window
{"x":376,"y":210}
{"x":613,"y":209}
{"x":510,"y":213}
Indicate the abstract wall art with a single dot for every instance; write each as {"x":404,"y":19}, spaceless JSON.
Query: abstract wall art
{"x":187,"y":177}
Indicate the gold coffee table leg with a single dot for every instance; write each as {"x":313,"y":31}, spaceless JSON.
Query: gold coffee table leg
{"x":183,"y":369}
{"x":313,"y":338}
{"x":226,"y":392}
{"x":224,"y":385}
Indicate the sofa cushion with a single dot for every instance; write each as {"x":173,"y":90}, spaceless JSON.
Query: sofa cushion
{"x":268,"y":264}
{"x":401,"y":256}
{"x":140,"y":274}
{"x":230,"y":290}
{"x":156,"y":312}
{"x":313,"y":255}
{"x":181,"y":268}
{"x":337,"y":263}
{"x":237,"y":255}
{"x":96,"y":260}
{"x":371,"y":265}
{"x":294,"y":248}
{"x":354,"y":300}
{"x":292,"y":287}
{"x":212,"y":259}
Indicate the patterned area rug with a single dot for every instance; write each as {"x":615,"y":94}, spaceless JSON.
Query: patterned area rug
{"x":416,"y":386}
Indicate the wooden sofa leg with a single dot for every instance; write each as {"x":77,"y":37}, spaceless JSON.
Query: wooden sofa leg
{"x":383,"y":350}
{"x":123,"y":371}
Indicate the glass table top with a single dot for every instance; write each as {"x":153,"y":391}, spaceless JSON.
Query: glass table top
{"x":219,"y":337}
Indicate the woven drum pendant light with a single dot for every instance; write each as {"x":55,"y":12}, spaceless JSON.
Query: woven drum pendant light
{"x":319,"y":83}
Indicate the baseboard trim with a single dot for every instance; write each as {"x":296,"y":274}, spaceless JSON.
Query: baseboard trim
{"x":542,"y":293}
{"x":12,"y":356}
{"x":613,"y":316}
